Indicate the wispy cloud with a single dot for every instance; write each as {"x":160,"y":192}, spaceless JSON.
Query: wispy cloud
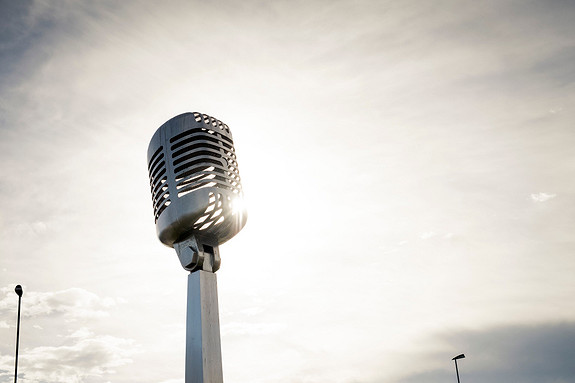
{"x":252,"y":328}
{"x":70,"y":353}
{"x":81,"y":357}
{"x":542,"y":197}
{"x":427,"y":235}
{"x":72,"y":304}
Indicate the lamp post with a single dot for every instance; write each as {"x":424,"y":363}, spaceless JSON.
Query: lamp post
{"x":19,"y":291}
{"x":460,"y":356}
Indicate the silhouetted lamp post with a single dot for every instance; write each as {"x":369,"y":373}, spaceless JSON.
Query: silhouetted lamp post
{"x":197,"y":198}
{"x":19,"y":291}
{"x":460,"y":356}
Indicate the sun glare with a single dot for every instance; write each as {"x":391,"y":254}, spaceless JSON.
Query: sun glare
{"x":238,"y":205}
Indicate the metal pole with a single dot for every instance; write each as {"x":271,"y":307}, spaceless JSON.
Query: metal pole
{"x":18,"y":290}
{"x":203,"y":347}
{"x":456,"y":371}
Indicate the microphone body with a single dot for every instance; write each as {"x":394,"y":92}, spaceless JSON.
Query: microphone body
{"x":195,"y":182}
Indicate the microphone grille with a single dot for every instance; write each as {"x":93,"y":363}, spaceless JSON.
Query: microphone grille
{"x":159,"y":182}
{"x":193,"y":168}
{"x":205,"y":157}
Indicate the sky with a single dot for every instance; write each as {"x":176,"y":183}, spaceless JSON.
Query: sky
{"x":408,"y":169}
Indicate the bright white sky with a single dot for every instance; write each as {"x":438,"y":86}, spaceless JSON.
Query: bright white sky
{"x":408,"y":168}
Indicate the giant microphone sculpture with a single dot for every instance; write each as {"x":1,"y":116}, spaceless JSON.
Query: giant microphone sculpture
{"x":198,"y":205}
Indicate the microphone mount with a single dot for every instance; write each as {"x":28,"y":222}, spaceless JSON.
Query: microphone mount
{"x":195,"y":255}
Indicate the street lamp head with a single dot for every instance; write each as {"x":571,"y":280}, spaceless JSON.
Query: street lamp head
{"x":19,"y":290}
{"x":460,"y":356}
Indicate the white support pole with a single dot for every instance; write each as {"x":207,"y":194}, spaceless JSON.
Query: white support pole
{"x":203,"y":347}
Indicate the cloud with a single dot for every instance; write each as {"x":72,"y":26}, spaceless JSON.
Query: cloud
{"x":36,"y":228}
{"x":251,"y":311}
{"x":81,"y":357}
{"x":542,"y":197}
{"x":427,"y":235}
{"x":78,"y":355}
{"x":431,"y":234}
{"x":244,"y":328}
{"x":530,"y":354}
{"x":73,"y":303}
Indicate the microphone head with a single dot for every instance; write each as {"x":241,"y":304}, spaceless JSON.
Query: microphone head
{"x":194,"y":180}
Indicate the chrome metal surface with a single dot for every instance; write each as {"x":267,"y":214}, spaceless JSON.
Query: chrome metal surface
{"x":198,"y":205}
{"x":196,"y":255}
{"x":203,"y":347}
{"x":195,"y":181}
